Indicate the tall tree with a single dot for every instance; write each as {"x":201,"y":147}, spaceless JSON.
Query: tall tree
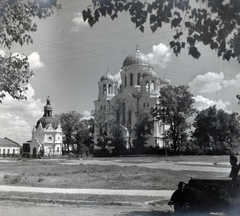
{"x":84,"y":135}
{"x":16,"y":24}
{"x":174,"y":108}
{"x":215,"y":23}
{"x":142,"y":129}
{"x":100,"y":125}
{"x":70,"y":123}
{"x":117,"y":125}
{"x":216,"y":130}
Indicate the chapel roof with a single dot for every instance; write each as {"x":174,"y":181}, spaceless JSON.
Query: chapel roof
{"x":47,"y":118}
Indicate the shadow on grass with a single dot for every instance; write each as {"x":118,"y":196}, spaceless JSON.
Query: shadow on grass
{"x":146,"y":213}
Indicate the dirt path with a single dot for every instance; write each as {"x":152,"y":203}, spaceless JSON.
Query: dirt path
{"x":153,"y":193}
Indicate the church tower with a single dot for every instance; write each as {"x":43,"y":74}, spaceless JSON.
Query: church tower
{"x":47,"y":134}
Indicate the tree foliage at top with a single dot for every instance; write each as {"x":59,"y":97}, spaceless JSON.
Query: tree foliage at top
{"x":174,"y":108}
{"x":216,"y":130}
{"x":16,"y":24}
{"x":143,"y":128}
{"x":70,"y":123}
{"x":215,"y":23}
{"x":117,"y":123}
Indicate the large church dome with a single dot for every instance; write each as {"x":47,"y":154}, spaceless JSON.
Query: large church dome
{"x":136,"y":58}
{"x":47,"y":118}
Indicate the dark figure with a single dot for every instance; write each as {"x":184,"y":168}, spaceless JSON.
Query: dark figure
{"x":235,"y":167}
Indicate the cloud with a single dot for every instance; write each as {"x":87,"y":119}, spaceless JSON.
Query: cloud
{"x":203,"y":103}
{"x":78,"y":22}
{"x":211,"y":82}
{"x":34,"y":60}
{"x":160,"y":55}
{"x":234,"y":83}
{"x":117,"y":77}
{"x":2,"y":53}
{"x":17,"y":117}
{"x":207,"y":83}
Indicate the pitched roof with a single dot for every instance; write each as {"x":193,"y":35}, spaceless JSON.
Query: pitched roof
{"x":6,"y":142}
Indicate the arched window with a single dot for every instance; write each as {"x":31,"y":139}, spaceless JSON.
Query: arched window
{"x":125,"y":80}
{"x":152,"y":86}
{"x":138,"y":78}
{"x":131,"y":79}
{"x":147,"y":86}
{"x":104,"y":89}
{"x":109,"y":89}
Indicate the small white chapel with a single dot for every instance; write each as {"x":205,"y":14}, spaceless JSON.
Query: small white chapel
{"x":46,"y":134}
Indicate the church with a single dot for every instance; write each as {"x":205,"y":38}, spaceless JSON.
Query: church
{"x":46,"y":135}
{"x":138,"y":90}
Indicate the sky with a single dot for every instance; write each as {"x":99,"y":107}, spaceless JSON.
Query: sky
{"x":69,"y":57}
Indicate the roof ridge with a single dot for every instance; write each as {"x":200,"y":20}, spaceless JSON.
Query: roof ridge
{"x":11,"y":141}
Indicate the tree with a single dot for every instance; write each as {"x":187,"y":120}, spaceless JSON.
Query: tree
{"x":16,"y":24}
{"x":84,"y":135}
{"x":70,"y":123}
{"x":117,"y":126}
{"x":215,"y":23}
{"x":216,"y":130}
{"x":142,"y":129}
{"x":100,"y":125}
{"x":174,"y":108}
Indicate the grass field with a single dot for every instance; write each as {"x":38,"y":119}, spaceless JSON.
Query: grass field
{"x":63,"y":173}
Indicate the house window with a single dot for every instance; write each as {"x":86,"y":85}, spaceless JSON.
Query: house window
{"x":0,"y":151}
{"x":13,"y":152}
{"x":125,"y":80}
{"x":8,"y":152}
{"x":57,"y":149}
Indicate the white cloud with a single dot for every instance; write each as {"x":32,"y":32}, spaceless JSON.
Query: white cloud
{"x":34,"y":60}
{"x":78,"y":22}
{"x":117,"y":77}
{"x":211,"y":82}
{"x":17,"y":117}
{"x":2,"y":53}
{"x":203,"y":103}
{"x":160,"y":55}
{"x":207,"y":83}
{"x":235,"y":83}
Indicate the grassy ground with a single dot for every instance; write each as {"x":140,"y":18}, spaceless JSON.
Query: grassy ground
{"x":51,"y":173}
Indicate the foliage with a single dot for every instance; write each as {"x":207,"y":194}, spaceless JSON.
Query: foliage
{"x":70,"y":122}
{"x":84,"y":135}
{"x":215,"y":23}
{"x":142,"y":129}
{"x":16,"y":24}
{"x":174,"y":108}
{"x":216,"y":130}
{"x":100,"y":125}
{"x":118,"y":140}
